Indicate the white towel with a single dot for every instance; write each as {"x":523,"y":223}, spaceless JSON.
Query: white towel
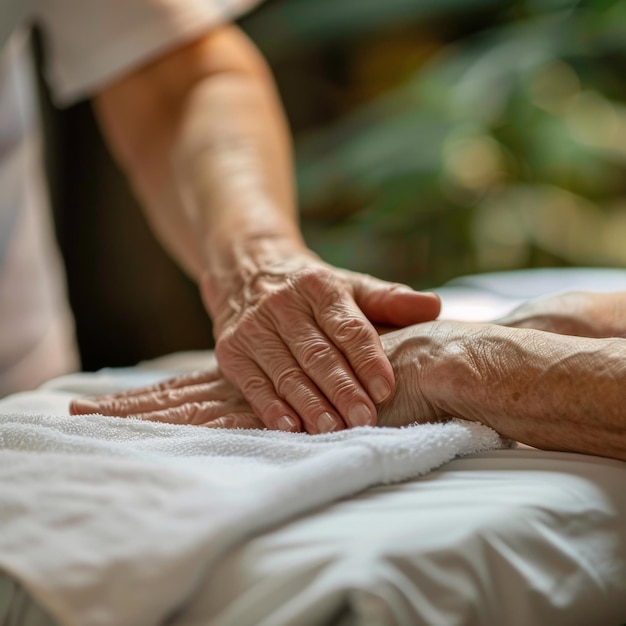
{"x":109,"y":521}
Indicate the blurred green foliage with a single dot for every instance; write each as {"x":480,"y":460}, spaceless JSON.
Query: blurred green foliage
{"x":441,"y":137}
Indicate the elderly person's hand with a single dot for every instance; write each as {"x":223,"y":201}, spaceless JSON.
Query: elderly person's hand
{"x":547,"y":390}
{"x":298,"y":340}
{"x":254,"y":336}
{"x":203,"y":138}
{"x":202,"y":398}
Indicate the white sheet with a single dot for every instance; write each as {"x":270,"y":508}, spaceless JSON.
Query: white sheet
{"x":515,"y":538}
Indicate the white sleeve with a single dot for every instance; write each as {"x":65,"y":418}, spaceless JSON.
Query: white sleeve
{"x":91,"y":42}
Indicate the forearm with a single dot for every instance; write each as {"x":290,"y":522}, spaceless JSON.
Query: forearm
{"x":576,"y":313}
{"x":234,"y":167}
{"x":548,"y":391}
{"x":203,"y":139}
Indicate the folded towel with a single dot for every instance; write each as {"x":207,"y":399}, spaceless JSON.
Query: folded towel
{"x":109,"y":521}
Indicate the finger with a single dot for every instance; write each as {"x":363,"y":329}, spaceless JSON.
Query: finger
{"x":159,"y":399}
{"x":190,"y":414}
{"x":393,"y":304}
{"x":345,"y":325}
{"x":331,"y":378}
{"x":198,"y":377}
{"x":245,"y":421}
{"x":193,"y":378}
{"x":278,"y":390}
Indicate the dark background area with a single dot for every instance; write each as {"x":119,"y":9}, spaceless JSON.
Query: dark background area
{"x":434,"y":138}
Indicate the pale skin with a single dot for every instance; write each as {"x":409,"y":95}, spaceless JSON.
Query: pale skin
{"x":201,"y":135}
{"x":554,"y":378}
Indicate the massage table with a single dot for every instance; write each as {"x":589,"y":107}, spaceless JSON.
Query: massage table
{"x":507,"y":536}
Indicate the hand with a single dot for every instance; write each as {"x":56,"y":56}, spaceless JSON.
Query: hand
{"x":550,"y":392}
{"x":206,"y":398}
{"x":298,"y":340}
{"x":203,"y":398}
{"x":575,"y":313}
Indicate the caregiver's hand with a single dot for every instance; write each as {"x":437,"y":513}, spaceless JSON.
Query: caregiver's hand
{"x":202,"y":398}
{"x":296,"y":336}
{"x":576,"y":313}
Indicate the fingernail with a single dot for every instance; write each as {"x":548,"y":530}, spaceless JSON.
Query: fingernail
{"x":287,"y":423}
{"x":85,"y":407}
{"x":326,"y":423}
{"x":379,"y":389}
{"x":360,"y":415}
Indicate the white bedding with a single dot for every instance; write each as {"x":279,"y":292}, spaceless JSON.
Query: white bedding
{"x":114,"y":522}
{"x":505,"y":537}
{"x":515,"y":538}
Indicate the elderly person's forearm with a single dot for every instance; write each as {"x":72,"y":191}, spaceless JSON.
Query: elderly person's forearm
{"x":546,"y":390}
{"x":549,"y":391}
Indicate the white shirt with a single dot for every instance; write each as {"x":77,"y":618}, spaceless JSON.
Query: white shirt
{"x":88,"y":43}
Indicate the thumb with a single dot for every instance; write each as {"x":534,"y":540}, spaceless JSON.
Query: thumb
{"x":393,"y":304}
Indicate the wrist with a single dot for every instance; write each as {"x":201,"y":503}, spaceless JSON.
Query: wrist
{"x":453,"y":381}
{"x":416,"y":355}
{"x":471,"y":376}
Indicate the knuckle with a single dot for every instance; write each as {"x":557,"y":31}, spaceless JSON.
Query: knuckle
{"x":346,"y":392}
{"x":111,"y":407}
{"x":191,"y":413}
{"x":124,"y":406}
{"x":351,"y":331}
{"x":289,"y":381}
{"x":292,"y":386}
{"x":318,"y":281}
{"x":253,"y":387}
{"x":313,"y":353}
{"x":127,"y":406}
{"x":172,"y":397}
{"x":316,"y":276}
{"x":279,"y":306}
{"x":367,"y":358}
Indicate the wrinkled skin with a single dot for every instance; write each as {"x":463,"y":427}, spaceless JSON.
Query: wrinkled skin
{"x":206,"y":398}
{"x":548,"y":390}
{"x":299,"y":341}
{"x":201,"y":135}
{"x":203,"y":398}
